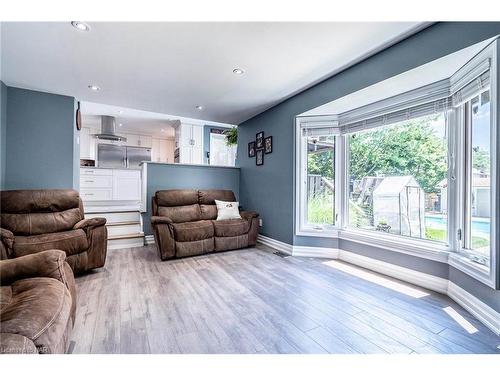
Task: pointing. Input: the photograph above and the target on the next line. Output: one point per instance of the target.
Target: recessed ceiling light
(94, 87)
(120, 124)
(82, 26)
(199, 107)
(162, 130)
(238, 71)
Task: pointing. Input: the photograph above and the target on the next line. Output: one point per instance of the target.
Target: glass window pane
(398, 178)
(480, 177)
(320, 180)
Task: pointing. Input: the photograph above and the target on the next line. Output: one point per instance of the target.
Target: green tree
(321, 163)
(412, 148)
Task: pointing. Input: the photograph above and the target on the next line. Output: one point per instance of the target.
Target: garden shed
(399, 207)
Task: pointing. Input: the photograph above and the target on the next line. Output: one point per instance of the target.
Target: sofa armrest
(248, 215)
(90, 223)
(160, 220)
(7, 237)
(48, 263)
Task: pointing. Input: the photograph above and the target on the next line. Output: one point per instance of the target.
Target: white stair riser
(117, 217)
(118, 230)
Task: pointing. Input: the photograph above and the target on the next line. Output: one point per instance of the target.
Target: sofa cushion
(208, 211)
(230, 228)
(27, 224)
(39, 310)
(71, 242)
(49, 200)
(209, 196)
(180, 197)
(193, 231)
(180, 214)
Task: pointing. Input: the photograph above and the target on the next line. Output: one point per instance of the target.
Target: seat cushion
(71, 242)
(193, 230)
(39, 309)
(231, 228)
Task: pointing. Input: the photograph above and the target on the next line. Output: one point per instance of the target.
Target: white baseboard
(484, 313)
(275, 244)
(315, 252)
(437, 284)
(489, 317)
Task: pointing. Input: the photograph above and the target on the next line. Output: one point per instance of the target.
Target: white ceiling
(420, 76)
(173, 67)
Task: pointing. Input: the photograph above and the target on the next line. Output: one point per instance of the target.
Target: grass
(440, 235)
(320, 209)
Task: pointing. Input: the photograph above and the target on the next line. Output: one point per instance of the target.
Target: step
(117, 223)
(123, 236)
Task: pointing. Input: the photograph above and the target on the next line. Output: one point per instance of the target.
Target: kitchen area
(114, 144)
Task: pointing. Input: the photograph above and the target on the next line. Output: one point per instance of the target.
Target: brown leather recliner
(37, 304)
(184, 223)
(37, 220)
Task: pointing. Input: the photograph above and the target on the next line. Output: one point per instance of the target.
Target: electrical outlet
(260, 222)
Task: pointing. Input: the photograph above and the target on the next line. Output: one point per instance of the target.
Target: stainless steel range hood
(108, 127)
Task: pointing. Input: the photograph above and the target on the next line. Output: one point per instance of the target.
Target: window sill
(310, 232)
(472, 269)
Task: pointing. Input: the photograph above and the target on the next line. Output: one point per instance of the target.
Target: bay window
(414, 172)
(398, 178)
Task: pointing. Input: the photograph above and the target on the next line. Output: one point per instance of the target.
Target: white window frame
(451, 253)
(302, 228)
(459, 258)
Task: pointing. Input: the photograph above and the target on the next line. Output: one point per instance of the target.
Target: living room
(340, 200)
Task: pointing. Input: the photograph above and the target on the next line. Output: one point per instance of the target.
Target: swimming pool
(478, 225)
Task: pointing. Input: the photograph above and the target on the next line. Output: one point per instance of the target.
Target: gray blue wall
(179, 176)
(269, 189)
(3, 132)
(41, 141)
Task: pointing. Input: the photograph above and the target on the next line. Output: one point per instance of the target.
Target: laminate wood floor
(253, 301)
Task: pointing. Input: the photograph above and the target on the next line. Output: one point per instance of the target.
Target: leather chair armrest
(48, 263)
(7, 237)
(160, 220)
(248, 215)
(90, 223)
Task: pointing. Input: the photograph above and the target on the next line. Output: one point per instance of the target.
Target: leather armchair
(38, 303)
(36, 220)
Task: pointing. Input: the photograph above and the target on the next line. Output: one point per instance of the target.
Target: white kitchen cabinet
(132, 139)
(162, 150)
(85, 143)
(88, 143)
(145, 141)
(189, 140)
(126, 185)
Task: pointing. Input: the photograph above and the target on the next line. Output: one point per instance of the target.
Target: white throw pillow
(227, 210)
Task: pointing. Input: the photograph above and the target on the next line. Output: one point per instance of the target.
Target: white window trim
(451, 253)
(301, 227)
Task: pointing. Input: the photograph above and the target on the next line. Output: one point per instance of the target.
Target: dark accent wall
(42, 147)
(184, 176)
(3, 132)
(269, 189)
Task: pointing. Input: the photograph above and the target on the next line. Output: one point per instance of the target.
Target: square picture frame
(268, 144)
(259, 140)
(251, 149)
(259, 157)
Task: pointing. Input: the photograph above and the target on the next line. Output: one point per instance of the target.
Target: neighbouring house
(481, 197)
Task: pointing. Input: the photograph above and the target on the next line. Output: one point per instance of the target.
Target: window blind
(320, 131)
(434, 107)
(471, 89)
